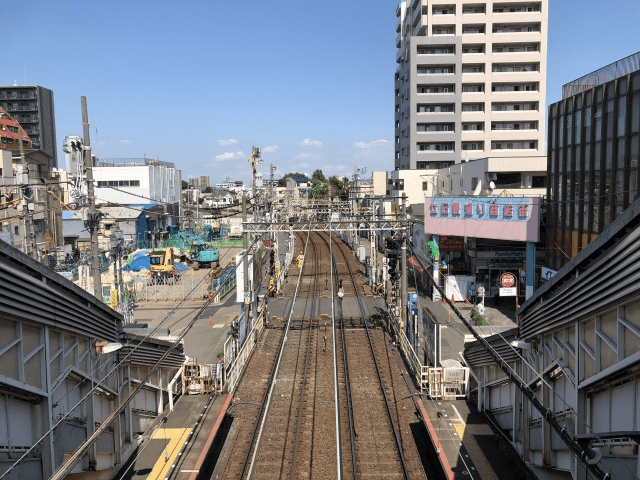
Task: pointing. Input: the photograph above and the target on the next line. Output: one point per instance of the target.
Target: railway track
(380, 449)
(294, 425)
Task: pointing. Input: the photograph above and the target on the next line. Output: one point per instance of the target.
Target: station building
(592, 156)
(52, 353)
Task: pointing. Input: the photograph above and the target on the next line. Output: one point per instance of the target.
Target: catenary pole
(93, 218)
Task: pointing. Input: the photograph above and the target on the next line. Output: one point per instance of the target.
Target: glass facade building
(592, 157)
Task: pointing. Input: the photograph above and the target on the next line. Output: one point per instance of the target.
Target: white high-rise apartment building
(470, 81)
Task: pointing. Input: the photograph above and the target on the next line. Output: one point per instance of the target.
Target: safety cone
(466, 301)
(453, 299)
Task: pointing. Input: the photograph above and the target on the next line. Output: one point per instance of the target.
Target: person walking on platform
(472, 293)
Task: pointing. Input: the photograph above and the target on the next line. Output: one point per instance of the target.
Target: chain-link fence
(191, 285)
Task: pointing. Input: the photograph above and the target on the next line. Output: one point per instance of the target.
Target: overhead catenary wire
(545, 411)
(71, 461)
(523, 386)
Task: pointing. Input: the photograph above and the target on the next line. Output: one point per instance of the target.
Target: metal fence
(189, 286)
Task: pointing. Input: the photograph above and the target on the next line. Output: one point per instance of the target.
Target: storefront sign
(547, 274)
(508, 292)
(451, 243)
(508, 280)
(507, 218)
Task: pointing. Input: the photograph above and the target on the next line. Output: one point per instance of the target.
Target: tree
(319, 187)
(207, 190)
(339, 187)
(185, 184)
(318, 176)
(283, 181)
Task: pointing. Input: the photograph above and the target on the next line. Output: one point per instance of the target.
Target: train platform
(468, 445)
(177, 449)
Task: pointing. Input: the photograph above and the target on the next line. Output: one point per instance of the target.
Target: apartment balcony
(516, 57)
(23, 120)
(398, 41)
(473, 117)
(516, 37)
(473, 135)
(449, 136)
(516, 135)
(400, 54)
(515, 97)
(21, 108)
(420, 28)
(17, 96)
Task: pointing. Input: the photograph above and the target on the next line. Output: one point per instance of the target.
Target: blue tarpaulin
(141, 260)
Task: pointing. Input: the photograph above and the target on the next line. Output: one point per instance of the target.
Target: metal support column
(403, 284)
(92, 216)
(245, 267)
(531, 269)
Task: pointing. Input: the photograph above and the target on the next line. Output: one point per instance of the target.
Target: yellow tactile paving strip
(466, 433)
(175, 439)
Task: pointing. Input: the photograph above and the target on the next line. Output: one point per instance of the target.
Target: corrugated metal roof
(30, 291)
(120, 212)
(599, 276)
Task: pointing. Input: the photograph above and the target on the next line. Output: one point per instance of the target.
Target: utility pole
(245, 265)
(30, 247)
(93, 217)
(403, 283)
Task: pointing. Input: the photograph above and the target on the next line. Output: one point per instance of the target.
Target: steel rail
(347, 383)
(375, 359)
(266, 401)
(306, 363)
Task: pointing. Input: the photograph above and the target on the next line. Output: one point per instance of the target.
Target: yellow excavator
(162, 265)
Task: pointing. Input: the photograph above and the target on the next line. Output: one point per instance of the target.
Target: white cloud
(229, 156)
(303, 165)
(307, 142)
(270, 148)
(334, 169)
(302, 156)
(373, 144)
(125, 141)
(231, 141)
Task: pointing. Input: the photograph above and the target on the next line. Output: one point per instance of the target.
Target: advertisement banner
(432, 340)
(506, 218)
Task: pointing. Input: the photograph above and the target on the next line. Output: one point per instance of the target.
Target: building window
(472, 146)
(435, 108)
(435, 147)
(425, 186)
(474, 183)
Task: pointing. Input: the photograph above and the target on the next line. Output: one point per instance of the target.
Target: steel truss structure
(343, 225)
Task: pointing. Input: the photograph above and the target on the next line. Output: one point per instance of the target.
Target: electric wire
(114, 369)
(540, 377)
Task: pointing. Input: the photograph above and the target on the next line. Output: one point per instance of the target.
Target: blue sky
(199, 83)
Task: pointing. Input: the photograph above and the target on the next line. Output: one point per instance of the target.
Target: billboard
(432, 339)
(506, 218)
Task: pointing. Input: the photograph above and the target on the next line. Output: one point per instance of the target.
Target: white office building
(136, 181)
(470, 81)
